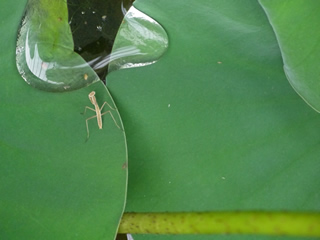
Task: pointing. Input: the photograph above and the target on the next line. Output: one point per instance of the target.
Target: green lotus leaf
(295, 25)
(54, 182)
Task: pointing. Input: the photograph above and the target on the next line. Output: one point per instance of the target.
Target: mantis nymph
(98, 110)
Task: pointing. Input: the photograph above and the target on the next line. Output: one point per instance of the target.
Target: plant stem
(261, 223)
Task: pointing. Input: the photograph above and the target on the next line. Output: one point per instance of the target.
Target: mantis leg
(88, 126)
(108, 106)
(85, 109)
(112, 117)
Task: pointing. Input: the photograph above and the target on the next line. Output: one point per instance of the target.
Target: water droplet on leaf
(45, 51)
(140, 41)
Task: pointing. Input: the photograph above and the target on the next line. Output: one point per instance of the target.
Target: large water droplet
(140, 41)
(45, 51)
(53, 57)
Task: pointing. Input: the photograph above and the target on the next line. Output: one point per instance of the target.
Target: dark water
(94, 25)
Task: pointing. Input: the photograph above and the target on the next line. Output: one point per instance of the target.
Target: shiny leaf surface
(214, 125)
(296, 24)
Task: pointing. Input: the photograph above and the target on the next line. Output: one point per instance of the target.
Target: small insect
(97, 110)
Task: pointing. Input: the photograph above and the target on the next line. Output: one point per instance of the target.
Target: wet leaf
(45, 50)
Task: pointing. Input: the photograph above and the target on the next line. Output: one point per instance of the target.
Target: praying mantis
(97, 110)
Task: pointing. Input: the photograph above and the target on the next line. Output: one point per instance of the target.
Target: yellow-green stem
(262, 223)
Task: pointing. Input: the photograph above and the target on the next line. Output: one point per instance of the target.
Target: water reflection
(140, 41)
(44, 53)
(94, 25)
(51, 59)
